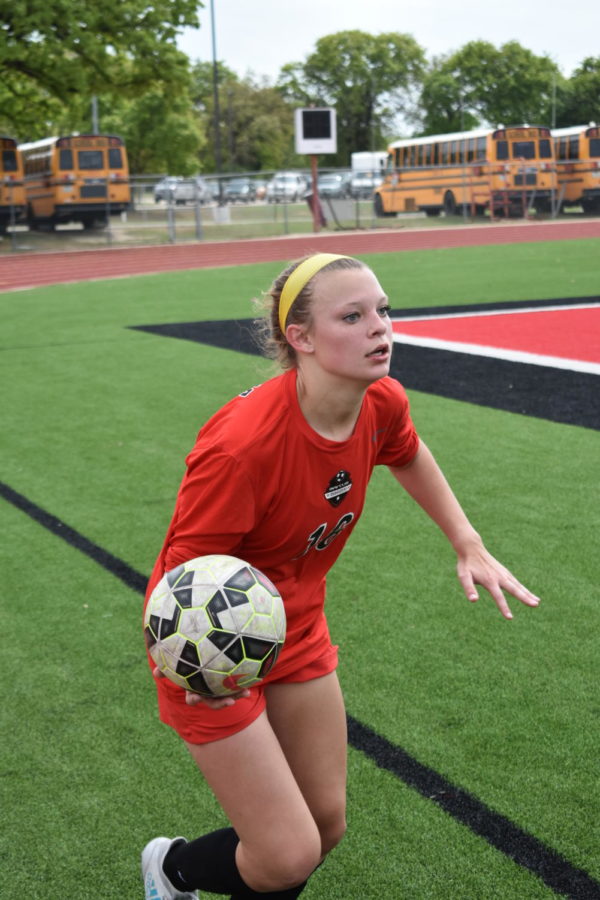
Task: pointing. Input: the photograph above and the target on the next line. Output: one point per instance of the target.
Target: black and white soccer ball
(215, 625)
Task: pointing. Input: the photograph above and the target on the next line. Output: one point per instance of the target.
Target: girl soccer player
(278, 478)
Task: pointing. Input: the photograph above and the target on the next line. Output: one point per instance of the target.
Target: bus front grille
(529, 179)
(93, 191)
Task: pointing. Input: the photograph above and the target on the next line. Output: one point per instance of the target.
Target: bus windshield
(90, 159)
(523, 150)
(9, 160)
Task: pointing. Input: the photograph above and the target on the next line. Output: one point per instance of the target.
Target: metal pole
(462, 154)
(315, 193)
(13, 220)
(218, 159)
(95, 129)
(286, 228)
(197, 212)
(107, 212)
(171, 215)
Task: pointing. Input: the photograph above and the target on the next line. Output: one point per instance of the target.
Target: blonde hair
(268, 331)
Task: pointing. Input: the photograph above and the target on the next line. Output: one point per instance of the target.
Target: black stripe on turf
(501, 833)
(559, 395)
(111, 563)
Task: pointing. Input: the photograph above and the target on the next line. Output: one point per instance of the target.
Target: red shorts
(199, 724)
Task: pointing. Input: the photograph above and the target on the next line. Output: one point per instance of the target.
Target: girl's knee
(288, 867)
(331, 822)
(332, 834)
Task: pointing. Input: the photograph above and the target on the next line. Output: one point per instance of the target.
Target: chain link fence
(166, 209)
(174, 210)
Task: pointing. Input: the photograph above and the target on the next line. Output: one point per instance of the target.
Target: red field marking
(550, 334)
(18, 271)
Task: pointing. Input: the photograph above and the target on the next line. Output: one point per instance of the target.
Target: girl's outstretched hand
(193, 699)
(476, 566)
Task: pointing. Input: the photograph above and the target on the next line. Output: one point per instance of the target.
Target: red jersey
(262, 485)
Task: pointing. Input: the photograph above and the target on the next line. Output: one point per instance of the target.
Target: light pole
(218, 161)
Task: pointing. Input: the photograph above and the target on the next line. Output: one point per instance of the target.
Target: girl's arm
(425, 482)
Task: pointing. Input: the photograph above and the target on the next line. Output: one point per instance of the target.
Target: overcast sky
(262, 35)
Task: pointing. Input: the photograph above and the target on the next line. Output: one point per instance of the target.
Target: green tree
(579, 101)
(53, 52)
(443, 103)
(162, 133)
(369, 79)
(256, 125)
(484, 85)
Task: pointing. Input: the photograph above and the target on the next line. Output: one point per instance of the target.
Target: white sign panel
(316, 130)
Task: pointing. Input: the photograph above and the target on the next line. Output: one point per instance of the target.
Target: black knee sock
(208, 863)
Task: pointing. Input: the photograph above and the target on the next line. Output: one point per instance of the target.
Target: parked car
(241, 189)
(165, 188)
(260, 186)
(176, 189)
(334, 184)
(286, 186)
(362, 184)
(212, 186)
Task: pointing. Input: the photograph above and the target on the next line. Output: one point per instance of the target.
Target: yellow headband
(299, 278)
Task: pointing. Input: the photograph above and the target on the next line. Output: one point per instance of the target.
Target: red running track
(23, 271)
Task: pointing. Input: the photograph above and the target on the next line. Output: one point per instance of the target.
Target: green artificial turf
(97, 420)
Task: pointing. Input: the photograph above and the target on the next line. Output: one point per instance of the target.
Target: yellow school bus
(507, 170)
(577, 152)
(75, 178)
(12, 192)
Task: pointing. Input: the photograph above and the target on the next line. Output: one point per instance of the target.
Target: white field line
(496, 312)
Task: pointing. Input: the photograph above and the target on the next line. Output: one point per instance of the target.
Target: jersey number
(319, 542)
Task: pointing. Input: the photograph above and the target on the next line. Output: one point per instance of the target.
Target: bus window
(436, 154)
(545, 149)
(574, 148)
(470, 149)
(428, 154)
(480, 154)
(115, 158)
(9, 160)
(444, 154)
(65, 159)
(501, 150)
(90, 159)
(523, 150)
(595, 147)
(562, 148)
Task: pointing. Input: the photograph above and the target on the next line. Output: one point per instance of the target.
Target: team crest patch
(338, 487)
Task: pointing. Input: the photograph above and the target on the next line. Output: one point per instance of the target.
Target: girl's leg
(279, 842)
(309, 720)
(281, 782)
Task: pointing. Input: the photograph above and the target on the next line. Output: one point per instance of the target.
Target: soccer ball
(214, 625)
